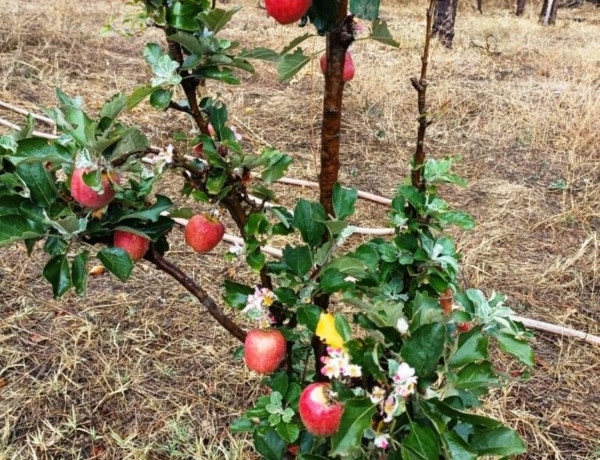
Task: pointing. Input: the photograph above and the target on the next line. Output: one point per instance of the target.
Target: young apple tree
(370, 351)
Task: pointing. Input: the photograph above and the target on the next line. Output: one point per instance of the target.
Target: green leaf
(190, 43)
(181, 15)
(365, 9)
(323, 15)
(309, 316)
(236, 295)
(256, 260)
(264, 54)
(116, 261)
(422, 443)
(472, 346)
(160, 99)
(16, 227)
(344, 200)
(216, 19)
(165, 72)
(39, 183)
(241, 425)
(132, 140)
(152, 213)
(456, 448)
(58, 274)
(520, 349)
(79, 273)
(460, 219)
(298, 258)
(424, 349)
(476, 375)
(289, 432)
(36, 150)
(291, 64)
(309, 219)
(277, 164)
(114, 106)
(225, 75)
(381, 33)
(356, 418)
(499, 441)
(152, 53)
(138, 95)
(342, 326)
(466, 417)
(270, 446)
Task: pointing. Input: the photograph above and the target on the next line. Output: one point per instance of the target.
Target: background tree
(445, 17)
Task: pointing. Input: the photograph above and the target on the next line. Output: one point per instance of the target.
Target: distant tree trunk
(480, 6)
(548, 14)
(443, 26)
(521, 7)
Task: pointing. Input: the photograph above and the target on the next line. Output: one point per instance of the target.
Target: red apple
(85, 196)
(134, 244)
(264, 350)
(204, 232)
(321, 416)
(348, 66)
(287, 11)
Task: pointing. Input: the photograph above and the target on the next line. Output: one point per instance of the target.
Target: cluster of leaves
(379, 283)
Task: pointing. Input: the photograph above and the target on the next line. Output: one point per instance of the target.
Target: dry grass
(140, 371)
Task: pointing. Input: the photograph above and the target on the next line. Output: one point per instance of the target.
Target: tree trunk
(480, 6)
(521, 7)
(445, 17)
(548, 14)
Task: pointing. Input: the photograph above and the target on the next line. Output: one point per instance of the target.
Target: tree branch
(421, 86)
(213, 309)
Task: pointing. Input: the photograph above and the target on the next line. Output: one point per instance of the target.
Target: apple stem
(193, 288)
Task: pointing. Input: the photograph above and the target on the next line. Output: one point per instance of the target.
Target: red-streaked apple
(264, 350)
(464, 327)
(319, 413)
(348, 66)
(135, 245)
(287, 11)
(86, 196)
(204, 232)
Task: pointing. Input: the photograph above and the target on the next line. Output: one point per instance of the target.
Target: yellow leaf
(327, 332)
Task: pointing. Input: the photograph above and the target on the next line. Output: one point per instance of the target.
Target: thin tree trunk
(445, 17)
(480, 6)
(521, 7)
(548, 14)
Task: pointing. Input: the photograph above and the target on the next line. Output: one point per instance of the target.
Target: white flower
(377, 395)
(353, 370)
(382, 441)
(389, 408)
(402, 325)
(350, 279)
(257, 304)
(404, 380)
(236, 249)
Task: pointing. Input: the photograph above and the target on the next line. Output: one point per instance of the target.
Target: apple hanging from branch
(287, 11)
(135, 245)
(319, 413)
(203, 232)
(86, 196)
(264, 350)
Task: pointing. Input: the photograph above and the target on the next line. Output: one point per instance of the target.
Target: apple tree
(370, 351)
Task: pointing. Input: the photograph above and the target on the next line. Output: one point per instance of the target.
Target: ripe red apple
(204, 232)
(85, 196)
(287, 11)
(321, 416)
(264, 350)
(134, 244)
(348, 66)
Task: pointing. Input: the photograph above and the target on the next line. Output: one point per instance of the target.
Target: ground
(139, 370)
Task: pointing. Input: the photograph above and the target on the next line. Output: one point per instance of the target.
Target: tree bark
(338, 41)
(445, 17)
(521, 7)
(548, 14)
